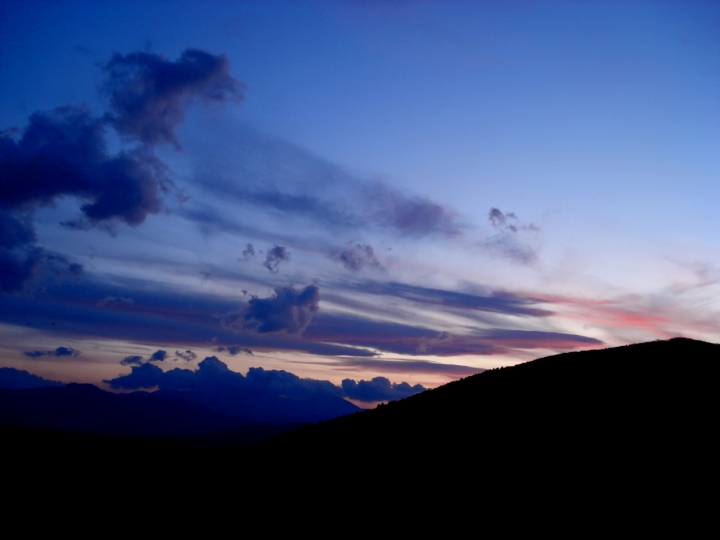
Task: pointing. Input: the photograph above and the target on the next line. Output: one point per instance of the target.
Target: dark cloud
(213, 376)
(233, 350)
(249, 251)
(287, 310)
(188, 355)
(18, 379)
(158, 356)
(148, 93)
(289, 384)
(494, 302)
(379, 389)
(265, 396)
(509, 222)
(274, 257)
(357, 257)
(506, 243)
(131, 360)
(60, 351)
(151, 376)
(63, 153)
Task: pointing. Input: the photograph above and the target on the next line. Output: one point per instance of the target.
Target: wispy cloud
(511, 241)
(493, 301)
(59, 352)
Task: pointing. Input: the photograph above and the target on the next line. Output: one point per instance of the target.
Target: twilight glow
(376, 194)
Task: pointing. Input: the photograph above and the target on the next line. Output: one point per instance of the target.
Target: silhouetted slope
(18, 379)
(603, 433)
(263, 406)
(84, 407)
(608, 406)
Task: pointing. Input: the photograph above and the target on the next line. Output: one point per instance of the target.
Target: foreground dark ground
(617, 427)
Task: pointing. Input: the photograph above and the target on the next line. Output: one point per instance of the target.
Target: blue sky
(429, 188)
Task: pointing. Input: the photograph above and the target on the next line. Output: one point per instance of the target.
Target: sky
(396, 193)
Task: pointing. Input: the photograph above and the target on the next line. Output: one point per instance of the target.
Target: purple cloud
(60, 351)
(131, 361)
(274, 257)
(148, 93)
(64, 153)
(357, 257)
(288, 310)
(379, 389)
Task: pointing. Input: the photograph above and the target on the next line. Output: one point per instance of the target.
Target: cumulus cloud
(63, 153)
(188, 355)
(148, 93)
(233, 350)
(213, 376)
(357, 257)
(274, 257)
(60, 351)
(158, 356)
(288, 310)
(131, 361)
(379, 389)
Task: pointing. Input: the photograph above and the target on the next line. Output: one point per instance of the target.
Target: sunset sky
(354, 189)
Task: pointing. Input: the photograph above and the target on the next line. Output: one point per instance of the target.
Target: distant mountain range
(212, 400)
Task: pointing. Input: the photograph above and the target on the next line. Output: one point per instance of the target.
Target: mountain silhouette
(581, 431)
(637, 409)
(86, 408)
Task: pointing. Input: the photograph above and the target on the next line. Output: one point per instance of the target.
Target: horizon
(398, 194)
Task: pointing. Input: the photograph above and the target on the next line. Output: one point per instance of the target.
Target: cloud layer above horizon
(175, 214)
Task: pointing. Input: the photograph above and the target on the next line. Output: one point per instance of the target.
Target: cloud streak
(417, 340)
(59, 352)
(495, 302)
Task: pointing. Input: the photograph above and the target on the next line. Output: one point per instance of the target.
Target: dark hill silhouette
(18, 379)
(609, 432)
(86, 408)
(601, 411)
